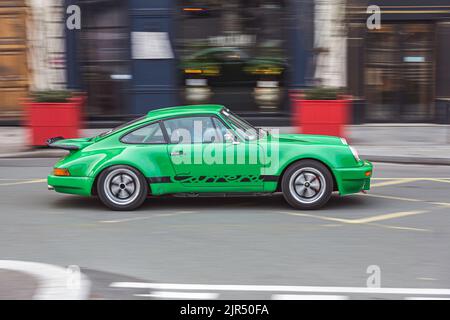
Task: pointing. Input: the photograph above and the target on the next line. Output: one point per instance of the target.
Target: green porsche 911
(205, 149)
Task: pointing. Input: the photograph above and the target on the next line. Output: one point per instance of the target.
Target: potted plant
(321, 110)
(52, 113)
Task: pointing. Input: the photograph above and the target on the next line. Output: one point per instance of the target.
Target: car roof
(184, 110)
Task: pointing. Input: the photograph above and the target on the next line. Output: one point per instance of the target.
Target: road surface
(397, 236)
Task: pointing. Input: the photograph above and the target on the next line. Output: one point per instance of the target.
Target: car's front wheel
(122, 188)
(307, 184)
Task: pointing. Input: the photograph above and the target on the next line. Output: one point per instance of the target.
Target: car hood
(309, 139)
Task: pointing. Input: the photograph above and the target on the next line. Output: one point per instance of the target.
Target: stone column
(330, 43)
(45, 35)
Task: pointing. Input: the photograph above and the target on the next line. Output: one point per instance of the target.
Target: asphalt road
(245, 247)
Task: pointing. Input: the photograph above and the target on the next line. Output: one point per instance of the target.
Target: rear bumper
(73, 185)
(353, 180)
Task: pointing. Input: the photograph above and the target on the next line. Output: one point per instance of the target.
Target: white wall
(330, 38)
(45, 28)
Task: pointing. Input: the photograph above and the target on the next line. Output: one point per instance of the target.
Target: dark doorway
(104, 52)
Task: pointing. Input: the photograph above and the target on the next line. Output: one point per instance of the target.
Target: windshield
(126, 124)
(242, 127)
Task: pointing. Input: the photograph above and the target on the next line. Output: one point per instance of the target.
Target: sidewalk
(402, 143)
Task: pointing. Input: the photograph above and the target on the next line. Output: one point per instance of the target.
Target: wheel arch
(94, 191)
(280, 178)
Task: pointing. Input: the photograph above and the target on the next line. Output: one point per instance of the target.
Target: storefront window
(232, 53)
(399, 72)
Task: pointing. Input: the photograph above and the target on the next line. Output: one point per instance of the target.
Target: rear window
(150, 134)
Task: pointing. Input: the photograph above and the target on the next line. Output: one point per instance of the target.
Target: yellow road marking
(23, 182)
(143, 218)
(394, 182)
(400, 228)
(442, 204)
(407, 178)
(315, 216)
(16, 179)
(382, 217)
(440, 180)
(388, 216)
(389, 197)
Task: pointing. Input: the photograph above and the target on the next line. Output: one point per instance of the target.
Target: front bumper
(73, 185)
(353, 180)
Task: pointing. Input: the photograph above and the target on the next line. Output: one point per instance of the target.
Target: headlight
(355, 153)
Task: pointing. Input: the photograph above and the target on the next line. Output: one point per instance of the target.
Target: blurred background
(133, 56)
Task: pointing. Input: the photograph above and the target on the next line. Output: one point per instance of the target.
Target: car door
(243, 159)
(208, 157)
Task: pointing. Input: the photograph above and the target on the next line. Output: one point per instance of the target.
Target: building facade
(32, 51)
(14, 72)
(133, 56)
(400, 72)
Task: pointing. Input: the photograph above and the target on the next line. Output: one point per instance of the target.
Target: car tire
(307, 185)
(122, 188)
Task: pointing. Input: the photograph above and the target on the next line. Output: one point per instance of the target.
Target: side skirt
(219, 195)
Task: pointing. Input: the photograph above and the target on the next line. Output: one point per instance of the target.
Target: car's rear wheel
(122, 188)
(307, 185)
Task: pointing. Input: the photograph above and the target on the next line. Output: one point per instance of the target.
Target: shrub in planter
(321, 110)
(60, 96)
(52, 113)
(323, 93)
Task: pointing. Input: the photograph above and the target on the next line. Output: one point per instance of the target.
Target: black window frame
(211, 116)
(226, 125)
(145, 143)
(223, 113)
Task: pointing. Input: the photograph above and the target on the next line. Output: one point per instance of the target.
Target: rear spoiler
(51, 144)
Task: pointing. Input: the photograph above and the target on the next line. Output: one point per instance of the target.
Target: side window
(222, 130)
(151, 134)
(191, 130)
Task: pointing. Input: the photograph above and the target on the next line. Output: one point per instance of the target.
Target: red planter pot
(325, 117)
(47, 120)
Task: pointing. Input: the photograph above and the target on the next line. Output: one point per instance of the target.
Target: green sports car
(205, 149)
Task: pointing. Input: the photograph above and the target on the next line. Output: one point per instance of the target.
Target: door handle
(176, 153)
